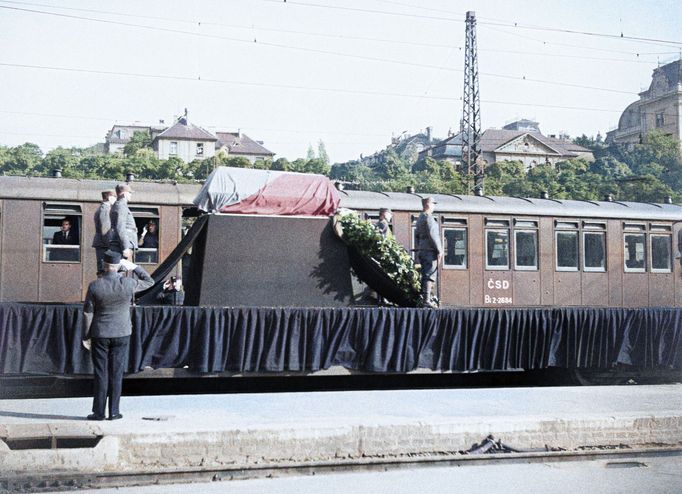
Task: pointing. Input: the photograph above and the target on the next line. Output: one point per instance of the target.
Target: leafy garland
(395, 261)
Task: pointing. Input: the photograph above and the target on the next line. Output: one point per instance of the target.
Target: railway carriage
(498, 251)
(524, 283)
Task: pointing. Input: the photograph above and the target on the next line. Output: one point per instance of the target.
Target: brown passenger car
(498, 251)
(33, 269)
(519, 252)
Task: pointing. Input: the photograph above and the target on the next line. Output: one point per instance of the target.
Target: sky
(352, 73)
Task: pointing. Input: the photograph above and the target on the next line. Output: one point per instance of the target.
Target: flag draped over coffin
(245, 191)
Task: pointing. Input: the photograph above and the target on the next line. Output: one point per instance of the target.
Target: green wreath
(394, 260)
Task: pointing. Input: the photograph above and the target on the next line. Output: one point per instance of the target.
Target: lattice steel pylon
(471, 111)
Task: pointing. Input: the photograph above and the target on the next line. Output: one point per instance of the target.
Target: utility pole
(471, 112)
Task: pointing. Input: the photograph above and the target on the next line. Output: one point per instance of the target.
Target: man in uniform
(429, 249)
(383, 226)
(103, 228)
(108, 327)
(124, 230)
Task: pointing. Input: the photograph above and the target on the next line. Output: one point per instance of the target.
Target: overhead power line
(248, 83)
(294, 87)
(116, 120)
(496, 23)
(325, 52)
(254, 28)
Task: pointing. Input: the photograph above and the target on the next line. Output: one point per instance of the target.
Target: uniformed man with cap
(124, 230)
(108, 327)
(383, 226)
(429, 249)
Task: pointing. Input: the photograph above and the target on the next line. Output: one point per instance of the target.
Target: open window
(61, 232)
(149, 234)
(634, 247)
(594, 246)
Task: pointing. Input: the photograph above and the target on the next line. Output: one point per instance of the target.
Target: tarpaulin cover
(246, 191)
(43, 338)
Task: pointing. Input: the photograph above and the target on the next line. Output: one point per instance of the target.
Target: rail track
(622, 456)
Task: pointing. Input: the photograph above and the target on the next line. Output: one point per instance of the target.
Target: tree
(139, 140)
(310, 154)
(281, 164)
(66, 160)
(322, 152)
(22, 159)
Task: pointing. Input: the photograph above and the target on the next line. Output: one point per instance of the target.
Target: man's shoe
(94, 416)
(116, 417)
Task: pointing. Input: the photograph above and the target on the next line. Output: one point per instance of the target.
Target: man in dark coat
(66, 235)
(103, 228)
(429, 249)
(124, 230)
(108, 327)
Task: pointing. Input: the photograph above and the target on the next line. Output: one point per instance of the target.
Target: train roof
(166, 193)
(462, 204)
(67, 189)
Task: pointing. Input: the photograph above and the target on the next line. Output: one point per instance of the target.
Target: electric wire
(327, 52)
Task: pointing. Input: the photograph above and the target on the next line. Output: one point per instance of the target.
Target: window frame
(646, 261)
(52, 210)
(147, 213)
(592, 269)
(499, 225)
(567, 269)
(670, 252)
(455, 224)
(173, 148)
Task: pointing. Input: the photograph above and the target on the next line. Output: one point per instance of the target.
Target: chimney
(668, 200)
(57, 173)
(130, 176)
(338, 185)
(478, 191)
(608, 197)
(409, 189)
(428, 134)
(544, 194)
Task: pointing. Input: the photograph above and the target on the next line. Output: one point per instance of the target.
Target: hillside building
(659, 107)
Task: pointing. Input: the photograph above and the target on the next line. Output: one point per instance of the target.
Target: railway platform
(50, 439)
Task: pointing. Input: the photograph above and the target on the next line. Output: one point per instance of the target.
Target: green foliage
(139, 140)
(391, 256)
(322, 152)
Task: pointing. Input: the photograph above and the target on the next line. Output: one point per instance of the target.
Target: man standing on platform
(124, 230)
(429, 250)
(108, 327)
(383, 226)
(103, 228)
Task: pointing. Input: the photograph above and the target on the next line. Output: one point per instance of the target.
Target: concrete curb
(256, 448)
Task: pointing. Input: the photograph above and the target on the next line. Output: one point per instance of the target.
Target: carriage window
(661, 248)
(567, 251)
(497, 249)
(455, 247)
(61, 233)
(635, 252)
(594, 251)
(147, 223)
(526, 249)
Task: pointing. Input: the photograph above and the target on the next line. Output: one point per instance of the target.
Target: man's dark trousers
(109, 359)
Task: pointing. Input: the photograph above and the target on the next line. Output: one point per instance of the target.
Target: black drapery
(41, 338)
